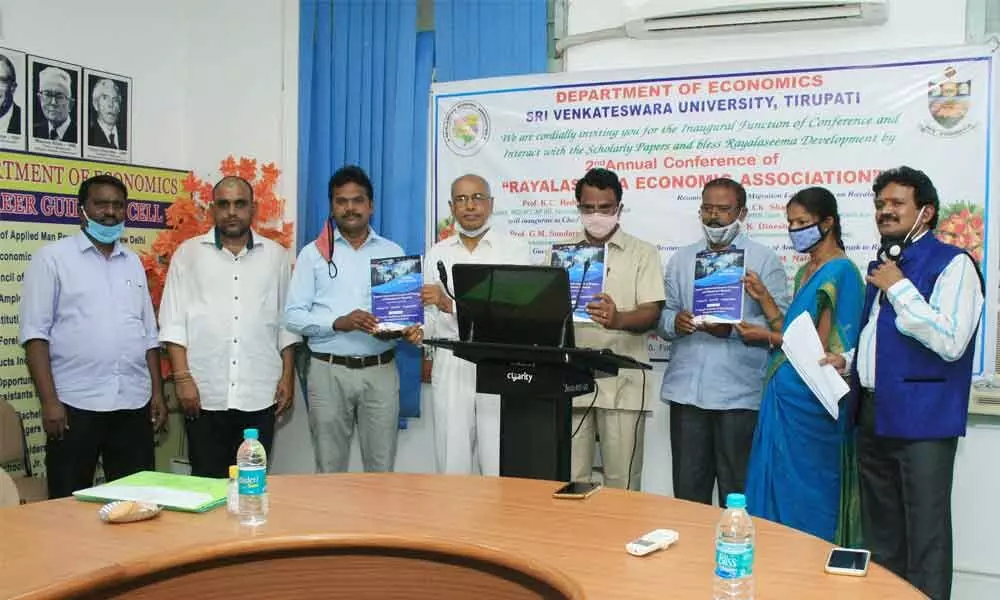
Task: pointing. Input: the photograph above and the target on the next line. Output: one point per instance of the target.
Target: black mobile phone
(576, 490)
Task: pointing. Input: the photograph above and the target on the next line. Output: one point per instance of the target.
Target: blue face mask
(804, 238)
(105, 234)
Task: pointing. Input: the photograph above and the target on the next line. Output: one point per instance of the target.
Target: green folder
(171, 491)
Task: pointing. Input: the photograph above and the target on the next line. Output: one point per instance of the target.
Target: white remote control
(651, 542)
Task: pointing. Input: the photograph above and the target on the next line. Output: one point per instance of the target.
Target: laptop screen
(513, 304)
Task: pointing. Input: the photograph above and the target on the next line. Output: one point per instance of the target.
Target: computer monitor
(513, 304)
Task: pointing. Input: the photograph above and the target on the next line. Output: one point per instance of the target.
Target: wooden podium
(536, 385)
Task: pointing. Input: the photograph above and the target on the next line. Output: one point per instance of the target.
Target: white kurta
(466, 424)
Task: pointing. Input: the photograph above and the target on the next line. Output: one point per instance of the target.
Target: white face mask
(473, 233)
(722, 236)
(599, 225)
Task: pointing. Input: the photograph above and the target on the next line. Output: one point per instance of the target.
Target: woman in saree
(802, 470)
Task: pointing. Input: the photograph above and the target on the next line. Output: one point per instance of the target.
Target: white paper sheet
(156, 495)
(804, 350)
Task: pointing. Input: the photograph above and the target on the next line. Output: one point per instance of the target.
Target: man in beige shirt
(622, 316)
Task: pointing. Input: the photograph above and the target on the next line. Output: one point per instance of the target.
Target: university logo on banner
(466, 128)
(948, 101)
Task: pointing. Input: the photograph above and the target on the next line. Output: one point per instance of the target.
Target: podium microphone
(576, 305)
(443, 275)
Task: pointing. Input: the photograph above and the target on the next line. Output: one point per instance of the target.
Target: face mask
(472, 233)
(722, 236)
(599, 225)
(805, 238)
(105, 234)
(892, 247)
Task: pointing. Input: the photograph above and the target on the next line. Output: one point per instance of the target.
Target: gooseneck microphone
(576, 301)
(443, 275)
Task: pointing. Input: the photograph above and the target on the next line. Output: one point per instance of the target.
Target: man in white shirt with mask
(466, 424)
(713, 382)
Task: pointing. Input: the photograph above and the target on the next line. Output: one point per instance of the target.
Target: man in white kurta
(466, 424)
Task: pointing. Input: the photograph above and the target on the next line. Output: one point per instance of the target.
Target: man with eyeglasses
(466, 424)
(713, 381)
(55, 100)
(10, 112)
(221, 322)
(353, 377)
(621, 316)
(104, 130)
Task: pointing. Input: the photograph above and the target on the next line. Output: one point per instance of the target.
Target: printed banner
(775, 126)
(39, 205)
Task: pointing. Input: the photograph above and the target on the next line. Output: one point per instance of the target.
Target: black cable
(635, 434)
(586, 412)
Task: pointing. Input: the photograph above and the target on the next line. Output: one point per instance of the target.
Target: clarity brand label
(733, 561)
(253, 480)
(517, 377)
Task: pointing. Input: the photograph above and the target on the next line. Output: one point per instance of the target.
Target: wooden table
(58, 549)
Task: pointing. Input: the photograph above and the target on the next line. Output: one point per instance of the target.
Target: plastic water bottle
(251, 461)
(734, 539)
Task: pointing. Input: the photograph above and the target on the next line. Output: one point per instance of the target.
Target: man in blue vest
(913, 372)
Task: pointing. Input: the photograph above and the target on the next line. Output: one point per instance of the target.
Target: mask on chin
(599, 225)
(105, 234)
(722, 236)
(892, 246)
(473, 233)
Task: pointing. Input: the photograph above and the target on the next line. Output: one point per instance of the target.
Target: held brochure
(396, 284)
(169, 490)
(586, 268)
(718, 285)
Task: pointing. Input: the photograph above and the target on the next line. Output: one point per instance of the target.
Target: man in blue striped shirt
(713, 381)
(352, 375)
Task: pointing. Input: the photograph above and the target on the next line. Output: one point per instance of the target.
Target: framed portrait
(54, 117)
(13, 92)
(107, 116)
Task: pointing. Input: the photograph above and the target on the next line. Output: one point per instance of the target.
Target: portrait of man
(55, 107)
(10, 111)
(107, 105)
(55, 98)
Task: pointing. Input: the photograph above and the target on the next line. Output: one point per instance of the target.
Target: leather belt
(355, 362)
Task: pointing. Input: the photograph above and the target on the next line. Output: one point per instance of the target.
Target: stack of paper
(803, 348)
(169, 490)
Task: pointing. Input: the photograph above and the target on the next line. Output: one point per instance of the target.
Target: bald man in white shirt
(466, 424)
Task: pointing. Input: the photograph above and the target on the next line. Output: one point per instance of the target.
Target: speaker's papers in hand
(803, 348)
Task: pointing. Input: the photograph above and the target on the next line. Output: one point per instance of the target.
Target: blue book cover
(585, 265)
(718, 285)
(396, 284)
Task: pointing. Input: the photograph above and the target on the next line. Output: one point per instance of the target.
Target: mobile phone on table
(576, 490)
(848, 561)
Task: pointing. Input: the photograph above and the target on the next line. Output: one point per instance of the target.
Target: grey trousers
(340, 397)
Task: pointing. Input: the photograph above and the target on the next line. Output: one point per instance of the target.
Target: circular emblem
(466, 128)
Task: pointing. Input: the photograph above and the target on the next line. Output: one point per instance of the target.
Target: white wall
(911, 23)
(209, 78)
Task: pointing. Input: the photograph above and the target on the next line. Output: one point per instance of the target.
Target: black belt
(355, 362)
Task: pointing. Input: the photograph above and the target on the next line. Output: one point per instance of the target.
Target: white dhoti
(466, 424)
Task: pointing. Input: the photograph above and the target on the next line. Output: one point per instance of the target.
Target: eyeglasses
(53, 97)
(603, 210)
(713, 209)
(473, 199)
